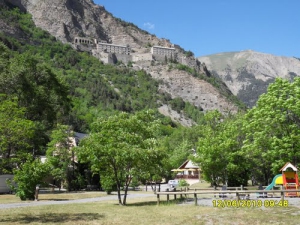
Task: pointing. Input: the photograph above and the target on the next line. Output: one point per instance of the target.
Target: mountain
(248, 73)
(180, 75)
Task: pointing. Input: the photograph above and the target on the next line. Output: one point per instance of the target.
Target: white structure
(111, 48)
(158, 50)
(188, 171)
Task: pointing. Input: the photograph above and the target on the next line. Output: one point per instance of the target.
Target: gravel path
(201, 201)
(85, 200)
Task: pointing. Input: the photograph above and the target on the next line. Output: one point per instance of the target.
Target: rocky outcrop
(175, 116)
(248, 73)
(65, 19)
(200, 93)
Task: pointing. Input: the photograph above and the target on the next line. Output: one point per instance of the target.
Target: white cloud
(149, 25)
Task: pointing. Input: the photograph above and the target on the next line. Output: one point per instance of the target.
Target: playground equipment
(288, 179)
(277, 180)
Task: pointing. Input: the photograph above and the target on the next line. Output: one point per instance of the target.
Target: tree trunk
(128, 180)
(119, 192)
(125, 194)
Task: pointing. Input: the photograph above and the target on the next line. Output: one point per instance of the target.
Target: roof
(79, 135)
(188, 164)
(288, 165)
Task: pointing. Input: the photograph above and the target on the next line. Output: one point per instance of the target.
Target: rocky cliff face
(248, 73)
(67, 19)
(198, 92)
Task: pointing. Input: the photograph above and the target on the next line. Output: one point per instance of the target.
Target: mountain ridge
(248, 73)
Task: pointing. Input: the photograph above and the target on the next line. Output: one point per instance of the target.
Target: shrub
(183, 183)
(28, 177)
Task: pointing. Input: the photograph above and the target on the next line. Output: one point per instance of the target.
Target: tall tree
(219, 150)
(122, 147)
(210, 154)
(16, 134)
(272, 127)
(36, 87)
(60, 154)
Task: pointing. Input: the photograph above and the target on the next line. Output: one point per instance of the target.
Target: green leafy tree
(36, 88)
(122, 147)
(219, 150)
(210, 154)
(237, 171)
(16, 134)
(30, 174)
(272, 127)
(60, 154)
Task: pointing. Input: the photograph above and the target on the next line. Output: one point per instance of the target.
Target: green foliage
(256, 144)
(218, 151)
(179, 144)
(36, 88)
(60, 154)
(122, 147)
(34, 72)
(183, 183)
(108, 183)
(185, 68)
(273, 129)
(30, 174)
(189, 53)
(177, 104)
(16, 134)
(189, 110)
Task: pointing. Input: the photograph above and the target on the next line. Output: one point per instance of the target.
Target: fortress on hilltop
(110, 53)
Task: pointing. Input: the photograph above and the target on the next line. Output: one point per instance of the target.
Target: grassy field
(140, 211)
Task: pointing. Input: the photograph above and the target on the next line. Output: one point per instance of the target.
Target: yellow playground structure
(288, 179)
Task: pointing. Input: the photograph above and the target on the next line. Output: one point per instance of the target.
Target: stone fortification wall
(142, 57)
(123, 58)
(106, 58)
(111, 58)
(162, 58)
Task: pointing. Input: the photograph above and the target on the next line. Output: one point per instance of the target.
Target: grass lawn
(143, 211)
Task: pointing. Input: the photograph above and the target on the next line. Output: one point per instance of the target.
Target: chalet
(188, 171)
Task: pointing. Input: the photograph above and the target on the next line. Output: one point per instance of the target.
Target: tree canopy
(123, 147)
(272, 129)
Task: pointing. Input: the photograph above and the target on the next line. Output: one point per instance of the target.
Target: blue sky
(213, 26)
